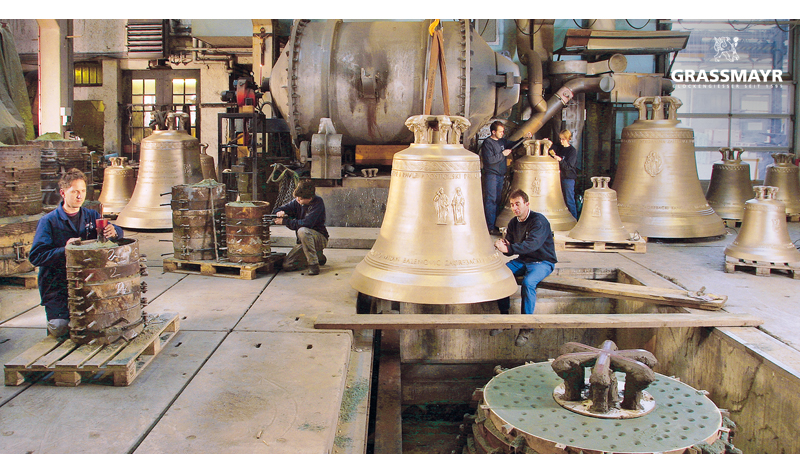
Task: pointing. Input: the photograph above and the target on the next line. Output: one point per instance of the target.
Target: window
(143, 103)
(184, 98)
(756, 115)
(88, 74)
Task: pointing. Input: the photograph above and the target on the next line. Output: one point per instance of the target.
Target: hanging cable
(631, 26)
(584, 28)
(779, 26)
(740, 30)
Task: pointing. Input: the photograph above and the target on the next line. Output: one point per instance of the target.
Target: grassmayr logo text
(727, 75)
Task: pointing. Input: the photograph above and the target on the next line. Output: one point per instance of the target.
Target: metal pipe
(561, 98)
(531, 58)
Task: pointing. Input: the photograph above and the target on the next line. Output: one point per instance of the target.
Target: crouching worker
(69, 223)
(306, 215)
(529, 236)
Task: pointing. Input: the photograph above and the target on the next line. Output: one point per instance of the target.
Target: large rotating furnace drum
(369, 77)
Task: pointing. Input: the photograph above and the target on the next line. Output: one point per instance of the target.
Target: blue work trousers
(568, 189)
(494, 190)
(534, 273)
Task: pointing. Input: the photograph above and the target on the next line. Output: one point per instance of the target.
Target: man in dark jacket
(494, 151)
(69, 223)
(529, 236)
(306, 215)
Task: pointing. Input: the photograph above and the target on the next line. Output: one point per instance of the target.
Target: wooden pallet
(223, 269)
(761, 268)
(69, 363)
(793, 218)
(27, 280)
(565, 243)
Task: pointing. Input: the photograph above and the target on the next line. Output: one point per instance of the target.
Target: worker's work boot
(313, 270)
(58, 327)
(322, 259)
(522, 337)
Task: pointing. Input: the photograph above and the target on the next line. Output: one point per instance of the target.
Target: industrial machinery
(658, 190)
(434, 246)
(622, 406)
(168, 158)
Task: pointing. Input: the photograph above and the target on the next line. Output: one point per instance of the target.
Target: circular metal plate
(523, 398)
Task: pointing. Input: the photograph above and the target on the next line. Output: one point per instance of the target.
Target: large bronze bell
(537, 174)
(600, 219)
(119, 182)
(785, 176)
(168, 158)
(658, 190)
(764, 235)
(730, 186)
(434, 247)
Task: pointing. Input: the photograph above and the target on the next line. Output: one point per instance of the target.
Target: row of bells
(443, 254)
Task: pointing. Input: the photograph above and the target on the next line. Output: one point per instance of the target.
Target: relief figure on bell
(458, 208)
(442, 204)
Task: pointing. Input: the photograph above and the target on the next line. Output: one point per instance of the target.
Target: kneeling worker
(529, 236)
(306, 215)
(69, 223)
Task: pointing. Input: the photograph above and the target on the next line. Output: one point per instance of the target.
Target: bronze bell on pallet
(730, 186)
(537, 174)
(168, 158)
(764, 235)
(786, 177)
(658, 190)
(600, 219)
(119, 182)
(434, 247)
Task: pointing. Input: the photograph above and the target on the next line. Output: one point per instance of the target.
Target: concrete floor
(248, 373)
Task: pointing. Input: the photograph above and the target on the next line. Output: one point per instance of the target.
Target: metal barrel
(247, 231)
(196, 219)
(105, 290)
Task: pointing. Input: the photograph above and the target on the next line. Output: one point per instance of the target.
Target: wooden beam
(647, 294)
(495, 321)
(388, 416)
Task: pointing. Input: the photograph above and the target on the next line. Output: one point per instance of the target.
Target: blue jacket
(492, 153)
(47, 252)
(532, 239)
(311, 216)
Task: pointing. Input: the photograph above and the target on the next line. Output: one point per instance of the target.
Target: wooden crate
(26, 280)
(761, 268)
(565, 243)
(223, 269)
(122, 360)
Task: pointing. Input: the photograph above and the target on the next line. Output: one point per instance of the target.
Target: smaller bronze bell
(786, 177)
(119, 182)
(600, 217)
(730, 186)
(537, 174)
(764, 235)
(207, 164)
